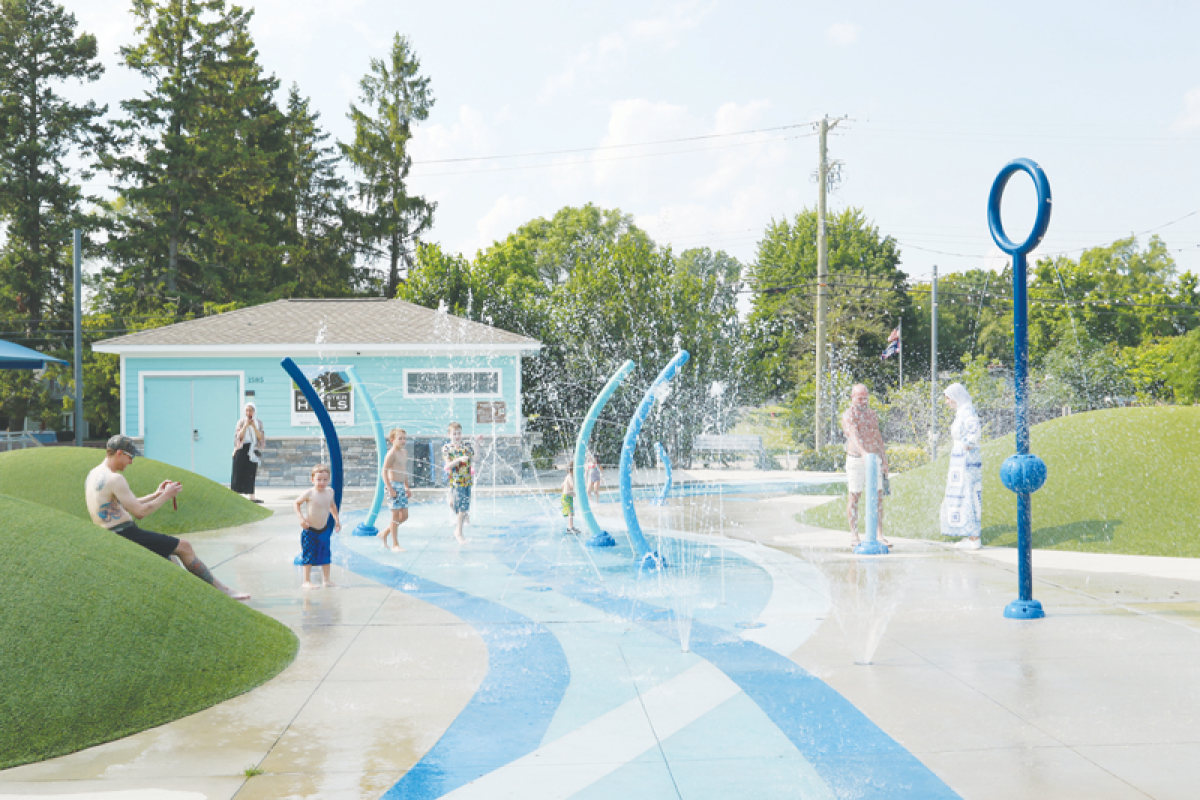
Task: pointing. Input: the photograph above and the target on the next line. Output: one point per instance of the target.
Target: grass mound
(1120, 481)
(102, 638)
(54, 477)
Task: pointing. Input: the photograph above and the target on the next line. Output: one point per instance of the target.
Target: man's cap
(120, 442)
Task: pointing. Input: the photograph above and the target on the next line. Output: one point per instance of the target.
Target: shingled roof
(369, 324)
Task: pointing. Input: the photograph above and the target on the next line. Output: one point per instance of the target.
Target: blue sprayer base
(652, 561)
(1024, 609)
(875, 548)
(366, 530)
(602, 539)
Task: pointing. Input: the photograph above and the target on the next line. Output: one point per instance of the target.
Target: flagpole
(901, 340)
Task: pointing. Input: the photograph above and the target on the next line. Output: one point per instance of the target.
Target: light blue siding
(382, 376)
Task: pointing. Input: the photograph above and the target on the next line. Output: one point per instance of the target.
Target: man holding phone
(114, 507)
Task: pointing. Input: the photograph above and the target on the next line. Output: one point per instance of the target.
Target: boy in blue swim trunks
(395, 484)
(314, 541)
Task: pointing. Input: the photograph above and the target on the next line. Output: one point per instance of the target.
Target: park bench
(723, 447)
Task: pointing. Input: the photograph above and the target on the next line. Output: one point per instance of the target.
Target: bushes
(903, 457)
(830, 458)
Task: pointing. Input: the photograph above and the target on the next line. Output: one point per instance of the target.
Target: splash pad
(589, 651)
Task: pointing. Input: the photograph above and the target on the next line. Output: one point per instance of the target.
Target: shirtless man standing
(113, 506)
(861, 426)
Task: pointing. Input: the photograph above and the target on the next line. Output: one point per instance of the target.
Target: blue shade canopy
(14, 356)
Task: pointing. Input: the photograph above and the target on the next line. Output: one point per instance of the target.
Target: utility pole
(822, 279)
(933, 372)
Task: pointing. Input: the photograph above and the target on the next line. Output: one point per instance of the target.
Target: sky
(698, 118)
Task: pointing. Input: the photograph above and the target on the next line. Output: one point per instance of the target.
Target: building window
(451, 383)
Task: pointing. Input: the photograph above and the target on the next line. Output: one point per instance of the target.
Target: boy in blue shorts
(395, 484)
(314, 542)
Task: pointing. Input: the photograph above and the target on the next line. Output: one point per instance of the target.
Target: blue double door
(190, 422)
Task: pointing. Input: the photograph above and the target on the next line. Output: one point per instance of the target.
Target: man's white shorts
(856, 474)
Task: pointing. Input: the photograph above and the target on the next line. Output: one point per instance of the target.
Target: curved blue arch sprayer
(331, 438)
(1023, 473)
(367, 526)
(599, 538)
(636, 538)
(665, 460)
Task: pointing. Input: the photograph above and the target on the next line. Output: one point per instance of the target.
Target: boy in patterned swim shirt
(458, 455)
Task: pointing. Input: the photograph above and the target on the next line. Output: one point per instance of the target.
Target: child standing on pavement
(457, 455)
(314, 541)
(568, 498)
(591, 471)
(395, 483)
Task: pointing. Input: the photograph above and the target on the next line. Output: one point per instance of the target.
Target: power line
(616, 146)
(606, 160)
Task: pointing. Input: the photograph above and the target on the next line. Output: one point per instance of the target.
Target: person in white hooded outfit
(962, 506)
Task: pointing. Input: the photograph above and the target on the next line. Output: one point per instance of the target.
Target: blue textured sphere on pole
(1023, 473)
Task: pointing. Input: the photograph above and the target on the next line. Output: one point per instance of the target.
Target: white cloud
(1190, 118)
(732, 226)
(631, 122)
(468, 134)
(664, 30)
(505, 216)
(842, 34)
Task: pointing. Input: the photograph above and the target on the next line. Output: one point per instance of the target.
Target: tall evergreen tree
(201, 206)
(319, 257)
(40, 133)
(395, 97)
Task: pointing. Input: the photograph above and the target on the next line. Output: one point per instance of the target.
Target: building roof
(367, 324)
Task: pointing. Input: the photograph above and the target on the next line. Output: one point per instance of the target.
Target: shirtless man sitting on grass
(114, 507)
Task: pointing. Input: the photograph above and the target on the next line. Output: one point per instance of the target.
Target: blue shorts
(460, 499)
(400, 501)
(314, 548)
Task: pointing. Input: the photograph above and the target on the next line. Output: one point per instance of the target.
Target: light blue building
(183, 386)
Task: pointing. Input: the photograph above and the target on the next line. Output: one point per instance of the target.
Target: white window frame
(498, 394)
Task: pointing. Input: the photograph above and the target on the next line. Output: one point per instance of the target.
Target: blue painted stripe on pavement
(850, 752)
(508, 716)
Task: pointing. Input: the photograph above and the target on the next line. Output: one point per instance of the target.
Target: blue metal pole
(367, 527)
(331, 437)
(636, 538)
(1022, 473)
(599, 538)
(871, 546)
(666, 462)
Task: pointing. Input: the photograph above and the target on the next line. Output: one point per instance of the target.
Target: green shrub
(903, 457)
(830, 458)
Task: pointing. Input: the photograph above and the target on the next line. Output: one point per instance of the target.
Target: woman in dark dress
(248, 443)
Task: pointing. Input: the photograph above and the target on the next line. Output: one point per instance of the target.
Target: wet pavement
(523, 665)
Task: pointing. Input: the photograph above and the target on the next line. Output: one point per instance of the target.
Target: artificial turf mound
(1120, 481)
(100, 638)
(54, 476)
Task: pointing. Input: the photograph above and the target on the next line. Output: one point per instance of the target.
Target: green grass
(54, 477)
(100, 638)
(1120, 481)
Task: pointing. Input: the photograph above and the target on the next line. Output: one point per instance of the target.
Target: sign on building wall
(332, 385)
(491, 412)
